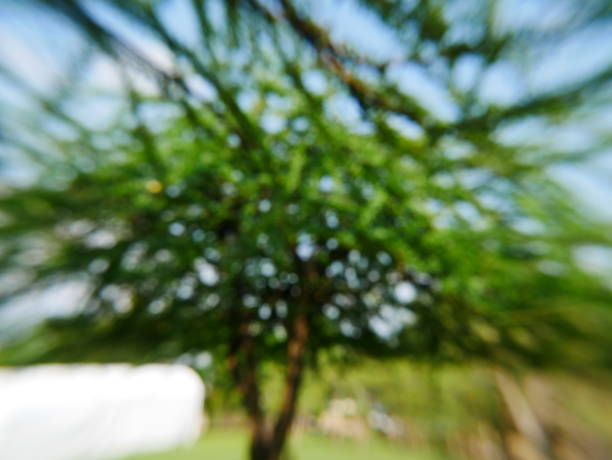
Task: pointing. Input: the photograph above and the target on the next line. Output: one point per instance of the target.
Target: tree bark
(268, 441)
(296, 351)
(242, 364)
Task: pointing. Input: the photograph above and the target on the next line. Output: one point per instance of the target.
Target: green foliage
(400, 231)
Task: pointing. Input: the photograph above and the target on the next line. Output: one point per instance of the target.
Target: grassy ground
(231, 445)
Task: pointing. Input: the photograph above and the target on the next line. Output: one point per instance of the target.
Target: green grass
(231, 445)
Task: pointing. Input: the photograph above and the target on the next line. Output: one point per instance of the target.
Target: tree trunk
(268, 440)
(242, 365)
(260, 445)
(296, 350)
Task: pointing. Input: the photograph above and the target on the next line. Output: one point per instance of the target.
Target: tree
(282, 194)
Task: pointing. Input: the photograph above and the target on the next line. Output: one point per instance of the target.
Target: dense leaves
(277, 172)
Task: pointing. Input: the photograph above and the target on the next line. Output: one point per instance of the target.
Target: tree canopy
(274, 189)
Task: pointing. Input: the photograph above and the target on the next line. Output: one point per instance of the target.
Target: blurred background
(372, 228)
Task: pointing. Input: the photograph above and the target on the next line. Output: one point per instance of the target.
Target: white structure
(87, 412)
